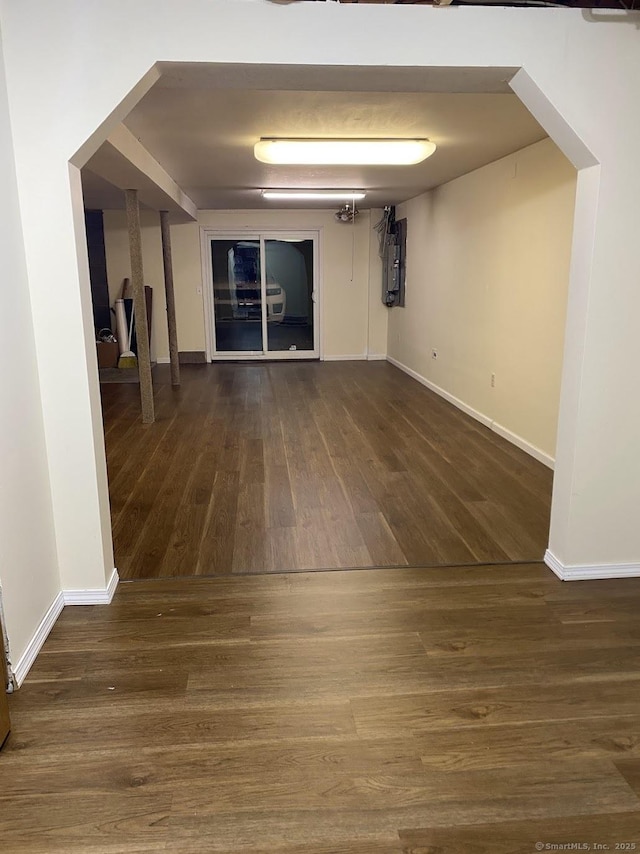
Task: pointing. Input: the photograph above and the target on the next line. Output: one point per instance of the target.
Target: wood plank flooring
(397, 711)
(269, 467)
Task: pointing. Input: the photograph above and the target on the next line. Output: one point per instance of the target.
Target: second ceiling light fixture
(324, 195)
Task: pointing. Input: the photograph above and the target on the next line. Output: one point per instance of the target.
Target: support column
(165, 230)
(140, 306)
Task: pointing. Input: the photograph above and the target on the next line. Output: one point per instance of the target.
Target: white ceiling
(201, 128)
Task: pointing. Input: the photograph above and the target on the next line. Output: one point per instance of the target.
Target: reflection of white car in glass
(243, 302)
(241, 298)
(276, 303)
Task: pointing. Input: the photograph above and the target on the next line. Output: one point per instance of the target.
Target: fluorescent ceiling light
(310, 195)
(365, 152)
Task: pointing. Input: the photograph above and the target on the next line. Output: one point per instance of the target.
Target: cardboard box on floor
(107, 354)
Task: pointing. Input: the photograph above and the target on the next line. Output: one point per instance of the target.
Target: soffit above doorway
(200, 122)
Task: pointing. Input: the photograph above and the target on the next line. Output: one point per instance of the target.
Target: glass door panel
(237, 295)
(289, 266)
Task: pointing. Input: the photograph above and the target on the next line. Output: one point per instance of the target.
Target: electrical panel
(393, 251)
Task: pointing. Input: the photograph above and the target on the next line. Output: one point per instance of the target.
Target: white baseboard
(460, 404)
(521, 443)
(93, 595)
(525, 446)
(591, 572)
(35, 644)
(163, 360)
(357, 357)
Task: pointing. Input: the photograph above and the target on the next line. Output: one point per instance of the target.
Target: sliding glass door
(237, 295)
(264, 295)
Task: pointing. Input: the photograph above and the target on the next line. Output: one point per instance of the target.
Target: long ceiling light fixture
(348, 152)
(311, 195)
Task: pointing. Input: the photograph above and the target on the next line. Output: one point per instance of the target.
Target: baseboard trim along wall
(40, 635)
(521, 443)
(360, 357)
(357, 357)
(94, 596)
(591, 572)
(516, 440)
(192, 357)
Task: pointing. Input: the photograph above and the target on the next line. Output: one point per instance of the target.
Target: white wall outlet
(434, 354)
(493, 380)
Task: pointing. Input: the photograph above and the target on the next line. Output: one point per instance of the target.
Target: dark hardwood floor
(474, 710)
(282, 466)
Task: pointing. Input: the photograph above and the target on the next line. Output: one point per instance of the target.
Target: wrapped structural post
(140, 307)
(165, 230)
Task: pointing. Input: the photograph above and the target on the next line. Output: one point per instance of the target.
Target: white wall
(350, 325)
(487, 278)
(28, 563)
(93, 65)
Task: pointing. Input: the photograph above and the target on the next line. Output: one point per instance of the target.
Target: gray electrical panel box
(394, 253)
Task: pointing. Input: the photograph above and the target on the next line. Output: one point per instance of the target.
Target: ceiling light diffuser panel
(347, 152)
(310, 195)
